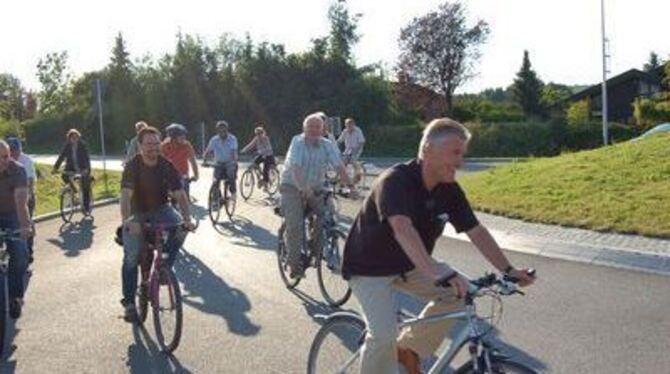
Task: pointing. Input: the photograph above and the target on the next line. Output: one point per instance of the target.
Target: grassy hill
(623, 188)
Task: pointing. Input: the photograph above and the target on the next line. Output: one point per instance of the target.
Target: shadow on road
(208, 293)
(144, 356)
(245, 233)
(74, 237)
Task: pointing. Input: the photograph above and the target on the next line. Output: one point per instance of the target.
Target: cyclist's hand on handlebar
(189, 225)
(460, 285)
(26, 232)
(526, 277)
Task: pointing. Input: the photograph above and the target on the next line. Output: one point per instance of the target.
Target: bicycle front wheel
(337, 346)
(247, 184)
(167, 308)
(228, 202)
(214, 204)
(498, 366)
(334, 288)
(67, 205)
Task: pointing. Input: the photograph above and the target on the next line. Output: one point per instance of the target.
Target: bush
(396, 141)
(579, 113)
(649, 112)
(511, 139)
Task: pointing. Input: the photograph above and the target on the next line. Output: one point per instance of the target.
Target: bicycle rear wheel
(273, 181)
(167, 308)
(247, 183)
(498, 366)
(67, 204)
(336, 346)
(282, 260)
(334, 288)
(214, 204)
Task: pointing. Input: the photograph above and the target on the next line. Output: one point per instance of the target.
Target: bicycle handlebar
(506, 284)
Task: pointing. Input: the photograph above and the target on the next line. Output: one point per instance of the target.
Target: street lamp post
(604, 86)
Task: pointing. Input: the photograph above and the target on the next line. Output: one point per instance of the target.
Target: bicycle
(71, 200)
(327, 259)
(216, 199)
(160, 282)
(253, 175)
(191, 200)
(348, 331)
(5, 235)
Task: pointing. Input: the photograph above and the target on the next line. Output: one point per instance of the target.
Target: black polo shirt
(371, 248)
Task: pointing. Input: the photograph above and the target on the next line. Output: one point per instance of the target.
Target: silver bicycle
(337, 345)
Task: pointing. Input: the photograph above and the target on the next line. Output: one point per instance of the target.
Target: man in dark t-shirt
(14, 216)
(148, 180)
(391, 241)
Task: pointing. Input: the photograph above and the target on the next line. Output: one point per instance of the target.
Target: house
(622, 90)
(427, 103)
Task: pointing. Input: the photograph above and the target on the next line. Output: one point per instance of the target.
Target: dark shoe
(15, 307)
(130, 312)
(409, 360)
(297, 273)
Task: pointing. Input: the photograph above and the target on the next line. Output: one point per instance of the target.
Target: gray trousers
(293, 207)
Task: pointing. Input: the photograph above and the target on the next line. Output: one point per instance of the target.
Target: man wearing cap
(14, 216)
(16, 152)
(224, 147)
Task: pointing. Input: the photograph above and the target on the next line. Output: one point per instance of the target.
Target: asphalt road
(239, 318)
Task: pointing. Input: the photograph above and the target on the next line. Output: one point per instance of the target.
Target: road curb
(99, 203)
(593, 255)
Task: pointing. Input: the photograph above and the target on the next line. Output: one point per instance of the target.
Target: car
(661, 128)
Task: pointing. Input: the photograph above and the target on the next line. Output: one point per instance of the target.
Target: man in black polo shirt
(390, 245)
(147, 180)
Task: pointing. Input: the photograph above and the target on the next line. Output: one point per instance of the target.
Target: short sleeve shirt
(12, 178)
(371, 248)
(179, 154)
(150, 184)
(28, 164)
(312, 158)
(224, 149)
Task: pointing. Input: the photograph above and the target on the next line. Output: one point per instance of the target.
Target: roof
(624, 77)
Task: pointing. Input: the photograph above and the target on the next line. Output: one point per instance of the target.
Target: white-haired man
(303, 177)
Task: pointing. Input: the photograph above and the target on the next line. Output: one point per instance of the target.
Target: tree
(52, 72)
(652, 63)
(440, 50)
(579, 113)
(554, 96)
(527, 88)
(12, 96)
(343, 27)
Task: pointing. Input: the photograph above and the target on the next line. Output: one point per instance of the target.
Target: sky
(562, 36)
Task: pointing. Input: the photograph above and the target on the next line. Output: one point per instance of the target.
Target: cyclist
(146, 182)
(16, 151)
(264, 154)
(353, 140)
(178, 150)
(224, 147)
(391, 241)
(303, 177)
(77, 160)
(133, 147)
(13, 216)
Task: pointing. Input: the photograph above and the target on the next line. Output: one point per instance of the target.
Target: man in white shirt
(16, 152)
(224, 147)
(353, 140)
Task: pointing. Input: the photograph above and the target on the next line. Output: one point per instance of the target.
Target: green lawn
(623, 188)
(49, 186)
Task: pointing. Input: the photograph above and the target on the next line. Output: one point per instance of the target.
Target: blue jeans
(133, 245)
(18, 257)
